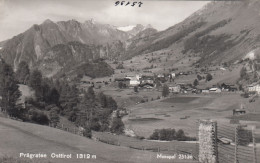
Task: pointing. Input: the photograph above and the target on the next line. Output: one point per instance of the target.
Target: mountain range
(219, 32)
(53, 46)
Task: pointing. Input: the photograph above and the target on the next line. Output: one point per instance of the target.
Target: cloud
(18, 15)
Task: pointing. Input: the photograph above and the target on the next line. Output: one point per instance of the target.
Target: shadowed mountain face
(220, 32)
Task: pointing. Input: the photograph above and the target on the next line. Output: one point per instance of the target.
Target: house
(239, 111)
(134, 82)
(188, 90)
(175, 89)
(228, 87)
(125, 81)
(254, 88)
(146, 85)
(215, 90)
(147, 79)
(160, 76)
(204, 91)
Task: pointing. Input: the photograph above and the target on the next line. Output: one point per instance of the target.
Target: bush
(87, 132)
(245, 136)
(245, 95)
(39, 117)
(209, 77)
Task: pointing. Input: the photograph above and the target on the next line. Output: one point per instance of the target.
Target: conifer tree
(9, 90)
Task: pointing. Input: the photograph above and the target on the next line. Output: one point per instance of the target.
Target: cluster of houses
(188, 88)
(137, 80)
(146, 81)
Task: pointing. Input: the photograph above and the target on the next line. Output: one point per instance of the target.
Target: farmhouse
(228, 87)
(160, 75)
(216, 90)
(147, 79)
(204, 91)
(125, 81)
(254, 88)
(239, 111)
(134, 82)
(175, 89)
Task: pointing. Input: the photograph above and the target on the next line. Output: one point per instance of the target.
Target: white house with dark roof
(254, 88)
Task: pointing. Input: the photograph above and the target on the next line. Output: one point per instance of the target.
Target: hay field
(181, 112)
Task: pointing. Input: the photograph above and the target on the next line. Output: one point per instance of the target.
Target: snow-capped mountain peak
(126, 28)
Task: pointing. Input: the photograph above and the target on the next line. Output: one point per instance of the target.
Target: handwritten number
(128, 3)
(140, 4)
(117, 3)
(134, 3)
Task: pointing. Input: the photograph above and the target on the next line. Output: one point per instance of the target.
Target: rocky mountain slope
(220, 32)
(55, 46)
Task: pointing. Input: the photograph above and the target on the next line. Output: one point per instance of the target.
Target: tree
(91, 93)
(54, 96)
(39, 117)
(135, 89)
(111, 103)
(120, 85)
(158, 83)
(180, 135)
(117, 125)
(165, 91)
(9, 90)
(102, 99)
(209, 77)
(199, 77)
(54, 117)
(35, 80)
(155, 135)
(87, 132)
(196, 82)
(23, 72)
(243, 73)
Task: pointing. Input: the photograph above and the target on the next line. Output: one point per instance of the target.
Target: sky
(16, 16)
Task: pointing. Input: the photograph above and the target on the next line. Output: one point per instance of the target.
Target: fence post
(254, 145)
(236, 144)
(207, 137)
(216, 140)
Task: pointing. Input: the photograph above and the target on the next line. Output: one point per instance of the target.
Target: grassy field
(127, 97)
(166, 147)
(17, 137)
(183, 112)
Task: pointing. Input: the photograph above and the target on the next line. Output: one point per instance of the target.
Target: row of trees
(169, 135)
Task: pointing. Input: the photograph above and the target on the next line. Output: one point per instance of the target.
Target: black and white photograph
(129, 81)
